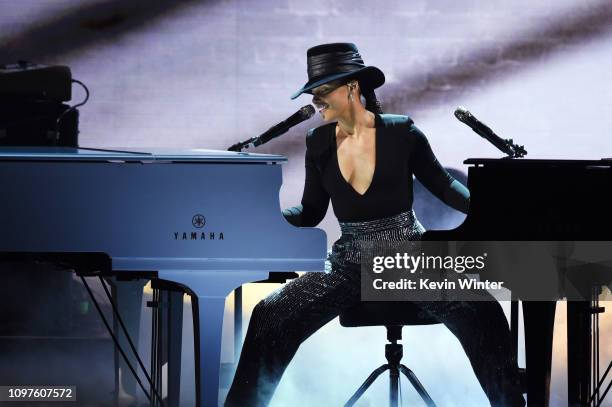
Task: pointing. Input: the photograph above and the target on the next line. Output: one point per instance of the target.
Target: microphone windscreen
(462, 113)
(307, 111)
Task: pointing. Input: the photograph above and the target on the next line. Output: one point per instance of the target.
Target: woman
(363, 161)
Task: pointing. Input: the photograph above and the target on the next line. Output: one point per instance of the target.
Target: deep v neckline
(376, 158)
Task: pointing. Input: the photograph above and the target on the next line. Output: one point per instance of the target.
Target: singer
(363, 160)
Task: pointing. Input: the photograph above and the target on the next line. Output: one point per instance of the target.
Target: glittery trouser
(287, 317)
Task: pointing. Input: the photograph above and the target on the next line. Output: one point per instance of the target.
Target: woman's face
(331, 99)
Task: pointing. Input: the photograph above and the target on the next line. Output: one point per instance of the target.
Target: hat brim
(369, 76)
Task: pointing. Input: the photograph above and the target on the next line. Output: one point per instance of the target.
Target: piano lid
(133, 155)
(526, 162)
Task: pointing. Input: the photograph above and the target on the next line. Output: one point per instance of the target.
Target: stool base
(393, 353)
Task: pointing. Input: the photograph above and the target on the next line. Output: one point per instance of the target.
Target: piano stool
(393, 316)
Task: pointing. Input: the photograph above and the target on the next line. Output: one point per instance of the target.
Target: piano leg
(539, 319)
(237, 323)
(175, 335)
(128, 298)
(208, 290)
(209, 314)
(578, 352)
(514, 326)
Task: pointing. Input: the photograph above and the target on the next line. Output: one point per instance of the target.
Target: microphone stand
(504, 145)
(304, 113)
(507, 146)
(242, 144)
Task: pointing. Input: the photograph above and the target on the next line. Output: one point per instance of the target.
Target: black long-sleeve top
(401, 151)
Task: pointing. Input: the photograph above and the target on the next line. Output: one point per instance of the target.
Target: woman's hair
(372, 103)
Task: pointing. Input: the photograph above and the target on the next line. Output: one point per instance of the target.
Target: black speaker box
(34, 123)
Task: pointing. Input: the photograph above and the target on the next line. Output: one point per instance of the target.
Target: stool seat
(385, 313)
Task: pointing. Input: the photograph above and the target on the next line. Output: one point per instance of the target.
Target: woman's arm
(315, 199)
(434, 176)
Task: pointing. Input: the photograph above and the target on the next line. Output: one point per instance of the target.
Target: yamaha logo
(198, 221)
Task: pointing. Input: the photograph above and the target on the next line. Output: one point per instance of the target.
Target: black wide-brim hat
(329, 62)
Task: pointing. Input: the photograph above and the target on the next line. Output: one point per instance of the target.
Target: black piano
(537, 199)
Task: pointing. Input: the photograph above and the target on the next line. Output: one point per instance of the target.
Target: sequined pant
(287, 317)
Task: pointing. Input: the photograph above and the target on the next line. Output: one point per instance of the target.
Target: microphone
(507, 146)
(466, 117)
(304, 113)
(298, 117)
